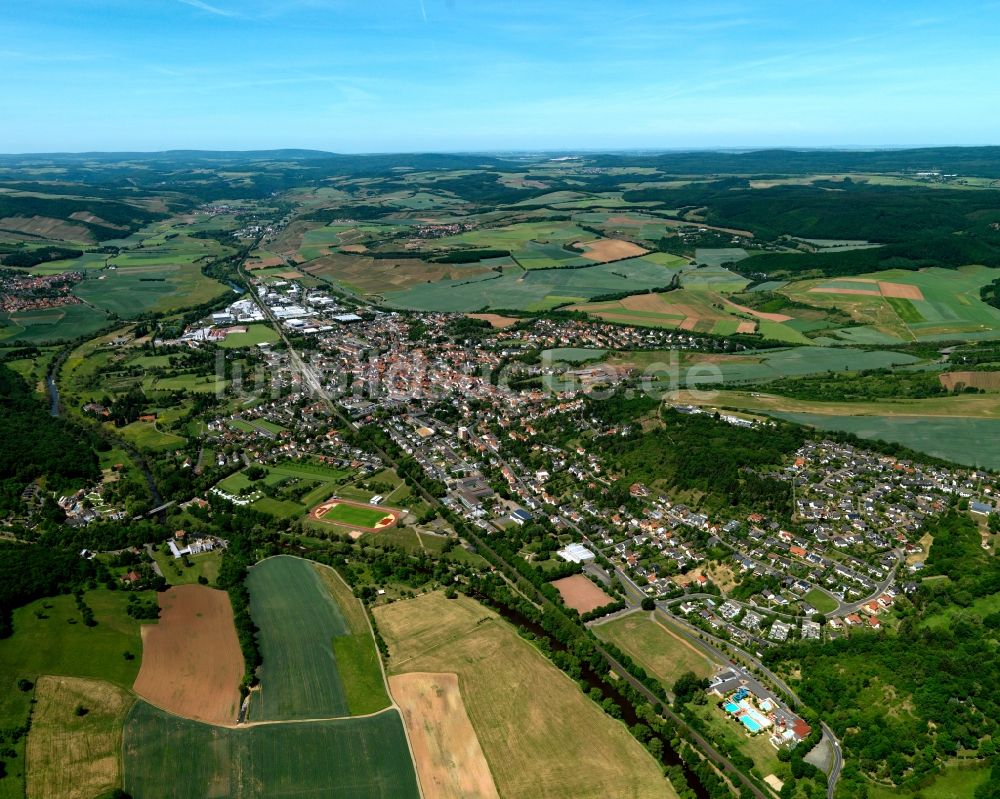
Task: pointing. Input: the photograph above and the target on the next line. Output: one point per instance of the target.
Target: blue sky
(439, 75)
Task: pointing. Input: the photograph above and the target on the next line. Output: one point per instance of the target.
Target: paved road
(838, 761)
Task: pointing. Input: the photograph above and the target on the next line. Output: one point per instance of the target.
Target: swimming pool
(749, 723)
(731, 708)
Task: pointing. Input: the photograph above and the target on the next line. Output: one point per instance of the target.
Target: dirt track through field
(450, 762)
(769, 317)
(191, 661)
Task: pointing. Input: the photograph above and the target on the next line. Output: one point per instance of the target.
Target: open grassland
(450, 762)
(366, 275)
(50, 638)
(973, 442)
(541, 736)
(51, 324)
(74, 756)
(308, 673)
(760, 366)
(957, 781)
(821, 600)
(191, 660)
(534, 290)
(166, 756)
(661, 651)
(176, 573)
(153, 287)
(254, 335)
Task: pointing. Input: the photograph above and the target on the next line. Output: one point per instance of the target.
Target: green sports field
(166, 756)
(317, 664)
(352, 515)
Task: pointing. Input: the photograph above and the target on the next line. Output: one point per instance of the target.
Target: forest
(37, 445)
(695, 452)
(904, 702)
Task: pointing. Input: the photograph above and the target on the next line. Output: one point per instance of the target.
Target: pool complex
(750, 717)
(749, 723)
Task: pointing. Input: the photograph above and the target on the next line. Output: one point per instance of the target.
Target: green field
(156, 287)
(536, 289)
(176, 573)
(299, 620)
(958, 781)
(256, 334)
(50, 638)
(660, 650)
(821, 600)
(947, 306)
(973, 442)
(51, 324)
(166, 756)
(351, 515)
(573, 354)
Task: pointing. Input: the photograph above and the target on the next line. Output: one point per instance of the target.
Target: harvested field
(901, 290)
(988, 381)
(450, 762)
(579, 593)
(495, 320)
(688, 324)
(604, 250)
(71, 756)
(541, 736)
(191, 661)
(346, 513)
(746, 327)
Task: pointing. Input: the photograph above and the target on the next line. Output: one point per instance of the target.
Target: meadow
(148, 287)
(74, 756)
(365, 758)
(661, 651)
(541, 736)
(299, 620)
(534, 290)
(51, 638)
(51, 324)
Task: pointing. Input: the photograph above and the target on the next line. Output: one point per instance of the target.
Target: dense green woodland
(695, 452)
(904, 702)
(37, 445)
